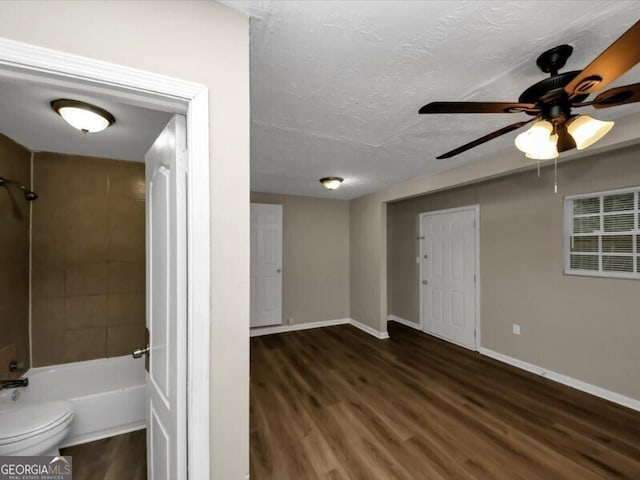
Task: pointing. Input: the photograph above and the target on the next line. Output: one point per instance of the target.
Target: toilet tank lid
(18, 420)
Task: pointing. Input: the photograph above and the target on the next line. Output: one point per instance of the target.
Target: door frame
(476, 209)
(145, 89)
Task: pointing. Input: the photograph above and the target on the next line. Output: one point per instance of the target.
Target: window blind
(602, 234)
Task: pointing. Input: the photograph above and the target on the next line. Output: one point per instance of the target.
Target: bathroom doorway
(24, 64)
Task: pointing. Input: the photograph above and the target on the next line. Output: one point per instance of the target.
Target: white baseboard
(370, 330)
(565, 380)
(256, 332)
(404, 321)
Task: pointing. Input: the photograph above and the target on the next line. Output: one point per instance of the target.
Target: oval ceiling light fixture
(81, 115)
(331, 183)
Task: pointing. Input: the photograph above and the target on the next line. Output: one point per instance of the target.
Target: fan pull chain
(555, 171)
(538, 168)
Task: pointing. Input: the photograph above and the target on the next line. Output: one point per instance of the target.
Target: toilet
(35, 428)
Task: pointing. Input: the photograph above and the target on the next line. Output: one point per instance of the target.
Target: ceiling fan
(550, 101)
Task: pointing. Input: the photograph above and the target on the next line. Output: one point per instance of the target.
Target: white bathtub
(108, 395)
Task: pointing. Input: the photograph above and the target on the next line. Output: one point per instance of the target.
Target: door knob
(278, 271)
(424, 282)
(139, 352)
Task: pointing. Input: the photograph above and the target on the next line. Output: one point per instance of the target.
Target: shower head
(28, 194)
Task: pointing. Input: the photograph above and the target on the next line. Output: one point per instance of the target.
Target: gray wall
(584, 327)
(315, 255)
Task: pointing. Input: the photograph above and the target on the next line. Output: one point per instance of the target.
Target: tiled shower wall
(14, 256)
(88, 258)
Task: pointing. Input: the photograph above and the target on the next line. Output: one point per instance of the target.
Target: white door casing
(166, 303)
(266, 264)
(448, 275)
(26, 62)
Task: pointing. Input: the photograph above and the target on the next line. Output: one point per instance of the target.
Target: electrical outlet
(290, 320)
(516, 329)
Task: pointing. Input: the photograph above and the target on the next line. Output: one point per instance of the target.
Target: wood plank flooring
(123, 457)
(336, 403)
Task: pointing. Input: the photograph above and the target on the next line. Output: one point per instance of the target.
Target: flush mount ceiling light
(81, 115)
(331, 183)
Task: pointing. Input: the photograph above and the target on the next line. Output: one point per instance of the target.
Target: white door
(448, 275)
(166, 303)
(266, 264)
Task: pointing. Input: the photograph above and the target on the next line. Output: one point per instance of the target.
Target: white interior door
(448, 275)
(266, 264)
(166, 303)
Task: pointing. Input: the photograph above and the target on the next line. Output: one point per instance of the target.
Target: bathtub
(108, 395)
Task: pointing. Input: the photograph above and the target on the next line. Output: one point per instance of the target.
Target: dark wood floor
(123, 457)
(335, 403)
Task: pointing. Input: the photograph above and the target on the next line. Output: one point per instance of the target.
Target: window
(602, 234)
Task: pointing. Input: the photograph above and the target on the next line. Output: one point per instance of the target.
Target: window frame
(634, 232)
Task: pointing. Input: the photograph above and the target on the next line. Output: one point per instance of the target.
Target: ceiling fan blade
(619, 57)
(565, 140)
(486, 138)
(618, 96)
(478, 107)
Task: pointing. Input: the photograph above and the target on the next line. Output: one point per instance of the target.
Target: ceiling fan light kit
(539, 142)
(586, 130)
(551, 100)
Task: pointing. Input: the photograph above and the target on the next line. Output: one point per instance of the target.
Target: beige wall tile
(87, 236)
(85, 311)
(126, 180)
(20, 335)
(7, 355)
(88, 176)
(14, 282)
(47, 313)
(87, 211)
(127, 245)
(49, 213)
(85, 278)
(6, 321)
(49, 245)
(85, 344)
(87, 245)
(48, 279)
(126, 308)
(14, 324)
(12, 238)
(126, 277)
(48, 347)
(50, 175)
(122, 340)
(126, 213)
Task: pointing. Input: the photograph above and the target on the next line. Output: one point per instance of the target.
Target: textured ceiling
(26, 117)
(336, 85)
